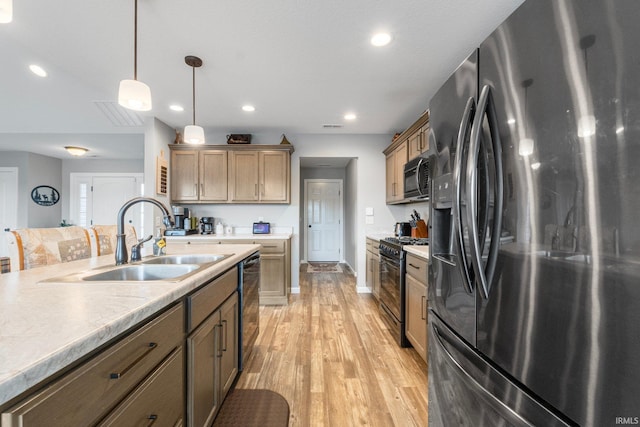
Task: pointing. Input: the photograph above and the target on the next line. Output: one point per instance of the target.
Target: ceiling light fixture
(134, 94)
(248, 108)
(6, 11)
(350, 116)
(381, 39)
(193, 134)
(176, 107)
(76, 151)
(38, 70)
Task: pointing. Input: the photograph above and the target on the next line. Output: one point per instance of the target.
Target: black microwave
(416, 179)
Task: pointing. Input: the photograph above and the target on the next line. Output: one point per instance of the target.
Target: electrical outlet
(260, 219)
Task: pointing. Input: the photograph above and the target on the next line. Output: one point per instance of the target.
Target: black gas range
(392, 283)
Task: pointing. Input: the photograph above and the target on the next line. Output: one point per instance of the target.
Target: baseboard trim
(363, 290)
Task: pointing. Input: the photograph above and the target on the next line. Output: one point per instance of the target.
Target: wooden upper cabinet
(184, 175)
(419, 142)
(395, 173)
(244, 176)
(231, 174)
(274, 176)
(213, 176)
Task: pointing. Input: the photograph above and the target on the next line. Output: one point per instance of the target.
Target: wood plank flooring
(332, 358)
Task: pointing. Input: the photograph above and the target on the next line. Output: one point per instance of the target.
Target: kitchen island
(48, 327)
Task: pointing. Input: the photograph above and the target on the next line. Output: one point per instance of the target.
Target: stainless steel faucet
(121, 246)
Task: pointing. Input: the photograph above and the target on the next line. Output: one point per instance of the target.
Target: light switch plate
(368, 219)
(368, 211)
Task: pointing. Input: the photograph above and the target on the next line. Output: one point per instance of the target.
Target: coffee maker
(207, 225)
(179, 215)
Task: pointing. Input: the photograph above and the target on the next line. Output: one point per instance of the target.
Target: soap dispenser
(159, 244)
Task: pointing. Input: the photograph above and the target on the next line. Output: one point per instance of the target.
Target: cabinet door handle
(262, 190)
(414, 266)
(423, 312)
(117, 375)
(225, 334)
(201, 189)
(152, 419)
(255, 191)
(195, 189)
(218, 336)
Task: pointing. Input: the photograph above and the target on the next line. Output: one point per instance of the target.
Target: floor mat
(324, 267)
(248, 408)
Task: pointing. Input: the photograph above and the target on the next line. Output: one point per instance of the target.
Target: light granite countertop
(417, 250)
(46, 326)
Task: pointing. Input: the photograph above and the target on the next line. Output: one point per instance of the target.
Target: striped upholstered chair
(103, 238)
(37, 247)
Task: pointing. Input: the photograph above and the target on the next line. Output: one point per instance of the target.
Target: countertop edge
(20, 377)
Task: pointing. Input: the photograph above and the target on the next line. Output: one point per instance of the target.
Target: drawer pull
(423, 312)
(270, 246)
(117, 375)
(152, 419)
(414, 266)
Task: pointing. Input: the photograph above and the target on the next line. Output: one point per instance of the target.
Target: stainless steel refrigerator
(534, 281)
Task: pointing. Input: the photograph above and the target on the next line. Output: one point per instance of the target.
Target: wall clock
(45, 195)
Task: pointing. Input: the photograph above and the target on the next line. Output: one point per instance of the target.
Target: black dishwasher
(249, 290)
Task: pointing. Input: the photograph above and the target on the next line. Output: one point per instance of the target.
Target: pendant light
(6, 11)
(134, 94)
(193, 134)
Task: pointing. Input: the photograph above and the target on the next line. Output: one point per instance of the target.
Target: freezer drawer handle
(507, 412)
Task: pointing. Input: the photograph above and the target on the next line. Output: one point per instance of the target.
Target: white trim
(306, 219)
(363, 290)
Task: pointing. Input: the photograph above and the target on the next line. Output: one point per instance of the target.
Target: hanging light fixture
(76, 151)
(6, 11)
(134, 94)
(193, 134)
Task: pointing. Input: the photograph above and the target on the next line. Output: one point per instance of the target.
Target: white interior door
(8, 204)
(96, 199)
(324, 219)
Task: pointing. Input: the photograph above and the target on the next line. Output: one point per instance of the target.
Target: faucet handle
(135, 249)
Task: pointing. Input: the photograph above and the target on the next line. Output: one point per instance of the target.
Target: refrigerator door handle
(486, 107)
(457, 234)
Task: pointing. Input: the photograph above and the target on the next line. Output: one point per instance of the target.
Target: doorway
(323, 201)
(8, 204)
(97, 198)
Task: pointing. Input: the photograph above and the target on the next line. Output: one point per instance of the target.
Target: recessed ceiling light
(511, 121)
(620, 130)
(176, 107)
(349, 116)
(38, 70)
(535, 166)
(381, 39)
(248, 108)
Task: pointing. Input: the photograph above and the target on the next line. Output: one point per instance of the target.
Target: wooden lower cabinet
(416, 303)
(159, 400)
(89, 393)
(373, 267)
(212, 349)
(275, 265)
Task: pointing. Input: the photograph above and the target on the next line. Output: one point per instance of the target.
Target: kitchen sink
(167, 268)
(145, 273)
(185, 259)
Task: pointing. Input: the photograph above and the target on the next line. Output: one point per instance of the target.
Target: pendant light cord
(135, 41)
(194, 94)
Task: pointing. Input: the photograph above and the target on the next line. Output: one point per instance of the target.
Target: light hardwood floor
(330, 355)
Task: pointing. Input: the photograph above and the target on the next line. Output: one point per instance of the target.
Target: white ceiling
(302, 63)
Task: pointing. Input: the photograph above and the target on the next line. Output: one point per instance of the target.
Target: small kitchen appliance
(207, 225)
(402, 229)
